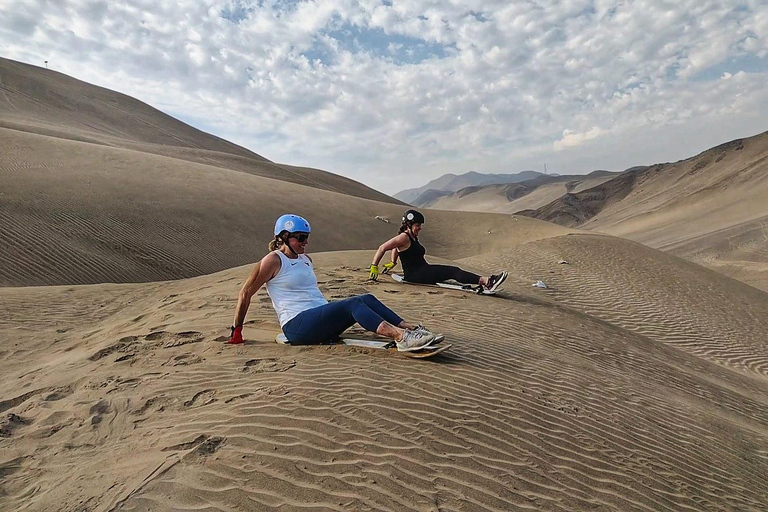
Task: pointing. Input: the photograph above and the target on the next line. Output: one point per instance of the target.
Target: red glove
(237, 335)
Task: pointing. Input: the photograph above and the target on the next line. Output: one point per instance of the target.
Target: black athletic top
(417, 270)
(413, 257)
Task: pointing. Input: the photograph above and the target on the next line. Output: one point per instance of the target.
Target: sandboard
(460, 287)
(425, 352)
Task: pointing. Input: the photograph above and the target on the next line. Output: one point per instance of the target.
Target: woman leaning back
(304, 314)
(411, 253)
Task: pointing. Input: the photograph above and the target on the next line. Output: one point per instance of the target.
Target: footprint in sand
(123, 345)
(11, 423)
(201, 398)
(98, 410)
(59, 393)
(268, 364)
(158, 404)
(183, 360)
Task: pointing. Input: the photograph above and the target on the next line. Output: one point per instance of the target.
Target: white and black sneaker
(414, 340)
(438, 337)
(494, 282)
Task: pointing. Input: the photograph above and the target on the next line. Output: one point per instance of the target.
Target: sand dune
(144, 218)
(611, 391)
(39, 101)
(99, 187)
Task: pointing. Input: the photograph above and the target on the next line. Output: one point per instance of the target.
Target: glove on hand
(237, 335)
(374, 273)
(387, 267)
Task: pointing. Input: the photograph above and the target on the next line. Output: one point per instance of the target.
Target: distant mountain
(511, 197)
(573, 209)
(430, 195)
(454, 183)
(710, 209)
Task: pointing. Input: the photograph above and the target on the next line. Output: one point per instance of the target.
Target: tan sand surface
(636, 382)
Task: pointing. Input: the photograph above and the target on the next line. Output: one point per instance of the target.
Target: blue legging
(327, 322)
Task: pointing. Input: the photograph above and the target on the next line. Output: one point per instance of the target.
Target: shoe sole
(414, 349)
(497, 284)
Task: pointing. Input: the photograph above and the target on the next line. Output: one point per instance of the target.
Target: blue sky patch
(398, 48)
(749, 63)
(478, 16)
(236, 12)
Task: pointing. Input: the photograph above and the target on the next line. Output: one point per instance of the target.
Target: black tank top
(413, 257)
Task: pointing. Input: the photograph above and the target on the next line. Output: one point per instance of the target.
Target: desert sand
(611, 390)
(636, 381)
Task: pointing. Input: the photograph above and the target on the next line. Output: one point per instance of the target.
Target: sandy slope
(81, 213)
(38, 101)
(637, 382)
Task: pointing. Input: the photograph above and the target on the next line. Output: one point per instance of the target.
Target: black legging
(432, 274)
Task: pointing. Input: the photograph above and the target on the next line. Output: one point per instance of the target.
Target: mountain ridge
(453, 182)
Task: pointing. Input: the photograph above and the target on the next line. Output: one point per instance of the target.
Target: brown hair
(279, 240)
(404, 227)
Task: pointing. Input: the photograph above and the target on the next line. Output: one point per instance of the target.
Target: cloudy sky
(394, 93)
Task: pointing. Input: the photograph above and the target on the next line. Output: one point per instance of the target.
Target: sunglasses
(300, 237)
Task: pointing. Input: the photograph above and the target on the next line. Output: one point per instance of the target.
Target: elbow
(245, 295)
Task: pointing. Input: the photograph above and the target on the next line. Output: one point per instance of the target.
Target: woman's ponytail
(275, 243)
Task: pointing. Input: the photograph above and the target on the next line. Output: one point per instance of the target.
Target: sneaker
(494, 282)
(414, 340)
(438, 337)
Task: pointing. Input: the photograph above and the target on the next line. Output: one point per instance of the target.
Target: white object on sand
(539, 284)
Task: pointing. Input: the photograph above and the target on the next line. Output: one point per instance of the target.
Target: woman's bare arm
(262, 272)
(400, 241)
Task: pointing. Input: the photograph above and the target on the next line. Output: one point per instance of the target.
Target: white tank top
(294, 288)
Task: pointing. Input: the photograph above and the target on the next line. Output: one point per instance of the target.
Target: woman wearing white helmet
(408, 249)
(304, 314)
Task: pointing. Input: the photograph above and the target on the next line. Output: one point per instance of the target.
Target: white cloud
(572, 139)
(385, 91)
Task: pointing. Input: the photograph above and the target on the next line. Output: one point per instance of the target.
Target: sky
(395, 93)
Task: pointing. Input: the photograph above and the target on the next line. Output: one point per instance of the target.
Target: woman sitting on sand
(415, 268)
(304, 314)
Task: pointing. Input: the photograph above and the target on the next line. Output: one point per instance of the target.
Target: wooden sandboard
(462, 288)
(424, 353)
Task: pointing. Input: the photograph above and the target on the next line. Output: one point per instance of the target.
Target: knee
(368, 299)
